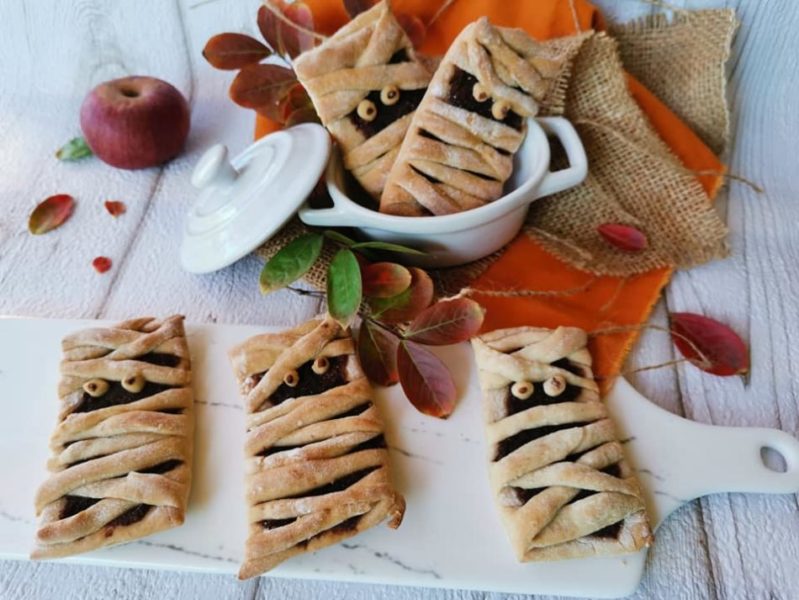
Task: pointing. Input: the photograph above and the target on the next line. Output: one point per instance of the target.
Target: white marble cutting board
(451, 536)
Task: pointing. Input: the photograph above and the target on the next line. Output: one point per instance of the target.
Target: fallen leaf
(101, 264)
(385, 279)
(51, 213)
(377, 351)
(262, 87)
(115, 207)
(709, 344)
(291, 262)
(234, 51)
(343, 286)
(623, 237)
(446, 322)
(425, 380)
(74, 149)
(405, 306)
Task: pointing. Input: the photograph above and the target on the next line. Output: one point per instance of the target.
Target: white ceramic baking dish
(464, 237)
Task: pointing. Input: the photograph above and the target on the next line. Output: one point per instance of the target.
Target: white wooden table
(52, 53)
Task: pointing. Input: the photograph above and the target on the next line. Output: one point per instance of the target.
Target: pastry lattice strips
(317, 462)
(122, 450)
(365, 82)
(557, 469)
(460, 145)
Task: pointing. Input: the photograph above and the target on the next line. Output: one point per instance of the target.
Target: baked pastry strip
(122, 450)
(365, 82)
(317, 462)
(557, 469)
(460, 145)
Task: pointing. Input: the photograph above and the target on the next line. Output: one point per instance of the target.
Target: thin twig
(669, 363)
(302, 292)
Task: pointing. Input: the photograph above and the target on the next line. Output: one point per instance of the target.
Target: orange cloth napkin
(601, 301)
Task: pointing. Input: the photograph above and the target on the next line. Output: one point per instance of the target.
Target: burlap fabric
(682, 62)
(634, 178)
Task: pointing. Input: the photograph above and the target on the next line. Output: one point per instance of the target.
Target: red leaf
(115, 207)
(377, 351)
(281, 36)
(51, 213)
(710, 345)
(425, 380)
(446, 322)
(263, 88)
(101, 264)
(234, 51)
(356, 7)
(408, 304)
(385, 279)
(623, 237)
(414, 28)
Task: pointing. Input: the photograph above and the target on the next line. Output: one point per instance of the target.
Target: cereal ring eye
(479, 92)
(389, 95)
(292, 378)
(134, 383)
(95, 387)
(555, 385)
(499, 110)
(367, 110)
(320, 365)
(522, 389)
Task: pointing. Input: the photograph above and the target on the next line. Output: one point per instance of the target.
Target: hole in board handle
(773, 459)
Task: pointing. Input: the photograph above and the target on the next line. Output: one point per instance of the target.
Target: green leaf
(388, 247)
(74, 149)
(343, 286)
(339, 237)
(291, 262)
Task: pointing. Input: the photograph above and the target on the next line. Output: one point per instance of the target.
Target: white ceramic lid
(246, 201)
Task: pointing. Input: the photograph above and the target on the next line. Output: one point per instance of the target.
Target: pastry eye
(499, 110)
(479, 92)
(95, 387)
(555, 385)
(292, 378)
(522, 389)
(367, 110)
(320, 365)
(389, 95)
(134, 383)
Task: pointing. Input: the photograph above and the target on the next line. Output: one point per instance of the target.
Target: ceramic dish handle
(557, 181)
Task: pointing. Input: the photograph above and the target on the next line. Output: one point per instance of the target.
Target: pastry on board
(557, 469)
(365, 82)
(460, 144)
(122, 450)
(317, 463)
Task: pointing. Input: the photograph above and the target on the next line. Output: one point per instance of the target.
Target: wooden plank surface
(52, 53)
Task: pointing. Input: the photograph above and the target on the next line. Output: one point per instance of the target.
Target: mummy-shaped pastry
(317, 462)
(557, 469)
(365, 82)
(459, 149)
(122, 449)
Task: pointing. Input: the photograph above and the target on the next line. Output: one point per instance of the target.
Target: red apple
(135, 122)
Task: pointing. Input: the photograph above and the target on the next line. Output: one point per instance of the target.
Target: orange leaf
(51, 213)
(262, 87)
(425, 380)
(623, 237)
(234, 51)
(115, 207)
(280, 35)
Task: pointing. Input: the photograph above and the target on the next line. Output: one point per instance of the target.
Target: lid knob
(214, 169)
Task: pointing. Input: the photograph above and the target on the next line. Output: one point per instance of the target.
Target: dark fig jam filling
(337, 485)
(311, 384)
(277, 523)
(386, 114)
(75, 504)
(460, 95)
(162, 467)
(159, 359)
(130, 516)
(117, 394)
(515, 442)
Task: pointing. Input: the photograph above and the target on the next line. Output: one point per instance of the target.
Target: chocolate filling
(344, 527)
(371, 444)
(386, 114)
(160, 359)
(515, 442)
(567, 365)
(429, 178)
(162, 467)
(611, 531)
(337, 485)
(276, 523)
(75, 504)
(116, 394)
(460, 95)
(400, 56)
(129, 517)
(310, 383)
(514, 405)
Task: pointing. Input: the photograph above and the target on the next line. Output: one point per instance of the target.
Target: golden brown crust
(120, 469)
(457, 156)
(317, 463)
(360, 61)
(557, 469)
